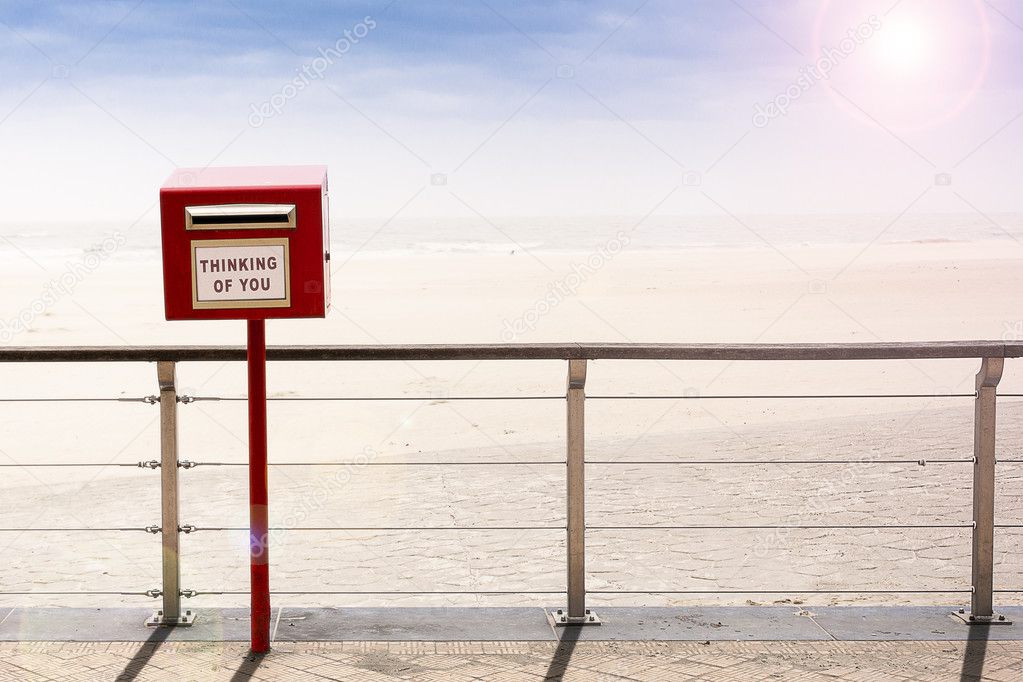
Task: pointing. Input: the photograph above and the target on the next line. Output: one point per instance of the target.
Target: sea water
(521, 234)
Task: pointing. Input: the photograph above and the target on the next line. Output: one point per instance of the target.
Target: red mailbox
(251, 244)
(245, 243)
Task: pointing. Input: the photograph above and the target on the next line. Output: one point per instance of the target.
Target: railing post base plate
(157, 620)
(560, 618)
(970, 619)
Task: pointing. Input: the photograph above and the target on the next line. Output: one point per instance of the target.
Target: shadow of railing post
(562, 657)
(137, 665)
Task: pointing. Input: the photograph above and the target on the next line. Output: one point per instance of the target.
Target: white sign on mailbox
(239, 273)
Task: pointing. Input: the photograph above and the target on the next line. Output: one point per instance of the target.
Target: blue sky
(524, 108)
(494, 33)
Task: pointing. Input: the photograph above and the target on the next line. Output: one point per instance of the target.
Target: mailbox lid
(246, 177)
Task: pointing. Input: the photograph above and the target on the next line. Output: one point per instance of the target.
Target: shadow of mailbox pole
(248, 244)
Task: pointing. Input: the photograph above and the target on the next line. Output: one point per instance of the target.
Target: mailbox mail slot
(239, 216)
(245, 243)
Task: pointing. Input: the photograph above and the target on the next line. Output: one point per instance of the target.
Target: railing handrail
(901, 350)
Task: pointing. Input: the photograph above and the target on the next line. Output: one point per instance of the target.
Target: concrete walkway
(449, 624)
(510, 661)
(645, 644)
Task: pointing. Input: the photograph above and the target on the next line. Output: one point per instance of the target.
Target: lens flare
(918, 70)
(904, 45)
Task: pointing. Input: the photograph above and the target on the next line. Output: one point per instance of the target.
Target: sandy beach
(945, 290)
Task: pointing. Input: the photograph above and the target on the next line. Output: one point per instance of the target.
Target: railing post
(171, 613)
(575, 478)
(982, 580)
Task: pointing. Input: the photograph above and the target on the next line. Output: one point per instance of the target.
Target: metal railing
(991, 355)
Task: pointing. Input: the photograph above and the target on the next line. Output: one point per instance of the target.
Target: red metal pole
(259, 540)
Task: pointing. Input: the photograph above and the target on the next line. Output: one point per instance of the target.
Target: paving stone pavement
(510, 661)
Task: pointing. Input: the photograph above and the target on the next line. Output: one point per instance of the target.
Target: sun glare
(904, 45)
(915, 65)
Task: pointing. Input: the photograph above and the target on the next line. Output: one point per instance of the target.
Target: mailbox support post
(171, 614)
(982, 581)
(575, 477)
(259, 538)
